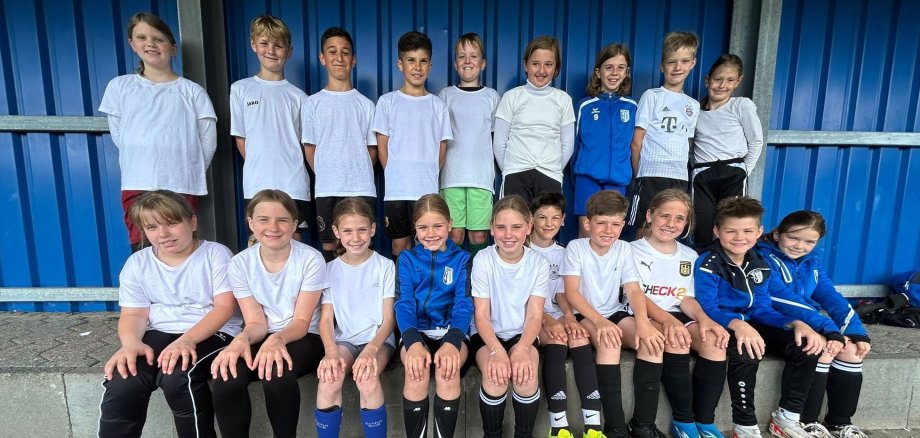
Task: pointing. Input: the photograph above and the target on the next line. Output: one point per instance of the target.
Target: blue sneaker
(683, 430)
(708, 430)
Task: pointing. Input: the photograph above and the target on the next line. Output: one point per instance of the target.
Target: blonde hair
(668, 195)
(154, 22)
(271, 26)
(273, 195)
(609, 51)
(471, 39)
(675, 41)
(168, 205)
(430, 203)
(544, 42)
(350, 206)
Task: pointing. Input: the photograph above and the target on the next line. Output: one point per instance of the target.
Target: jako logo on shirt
(448, 277)
(252, 102)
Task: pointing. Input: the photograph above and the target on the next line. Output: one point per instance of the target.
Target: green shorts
(470, 208)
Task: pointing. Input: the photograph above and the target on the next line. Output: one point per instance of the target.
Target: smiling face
(355, 232)
(677, 66)
(171, 239)
(797, 243)
(271, 52)
(722, 83)
(152, 46)
(338, 58)
(272, 225)
(667, 222)
(612, 73)
(510, 230)
(432, 230)
(547, 221)
(540, 67)
(738, 235)
(469, 63)
(415, 66)
(603, 231)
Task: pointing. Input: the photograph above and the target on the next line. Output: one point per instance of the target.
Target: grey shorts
(356, 350)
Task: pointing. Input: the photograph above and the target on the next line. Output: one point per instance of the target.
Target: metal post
(743, 39)
(204, 60)
(764, 75)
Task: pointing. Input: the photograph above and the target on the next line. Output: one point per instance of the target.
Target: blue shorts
(585, 186)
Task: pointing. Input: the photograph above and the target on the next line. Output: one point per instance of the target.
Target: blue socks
(374, 422)
(328, 422)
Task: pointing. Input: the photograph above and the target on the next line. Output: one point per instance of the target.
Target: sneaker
(745, 432)
(818, 430)
(785, 428)
(637, 431)
(846, 431)
(593, 433)
(616, 433)
(684, 430)
(563, 433)
(709, 430)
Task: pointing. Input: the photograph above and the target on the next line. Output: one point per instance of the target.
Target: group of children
(503, 306)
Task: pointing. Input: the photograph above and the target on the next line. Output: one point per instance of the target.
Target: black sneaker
(648, 431)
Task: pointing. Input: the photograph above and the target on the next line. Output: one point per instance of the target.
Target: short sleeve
(220, 261)
(644, 111)
(446, 132)
(314, 273)
(203, 107)
(382, 116)
(111, 99)
(505, 110)
(568, 111)
(371, 136)
(327, 296)
(130, 287)
(388, 279)
(571, 264)
(307, 117)
(628, 264)
(541, 286)
(494, 98)
(237, 123)
(480, 278)
(237, 275)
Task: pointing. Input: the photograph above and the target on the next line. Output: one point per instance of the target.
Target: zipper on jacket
(430, 289)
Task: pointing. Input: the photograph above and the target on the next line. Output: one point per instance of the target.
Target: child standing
(535, 126)
(665, 120)
(338, 134)
(561, 334)
(468, 176)
(595, 268)
(433, 310)
(604, 129)
(266, 117)
(163, 125)
(357, 322)
(509, 284)
(727, 144)
(665, 268)
(788, 250)
(413, 127)
(278, 283)
(176, 306)
(733, 286)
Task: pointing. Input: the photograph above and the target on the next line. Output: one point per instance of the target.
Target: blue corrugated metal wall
(850, 66)
(60, 197)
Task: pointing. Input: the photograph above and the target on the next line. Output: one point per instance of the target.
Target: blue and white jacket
(727, 291)
(807, 280)
(433, 292)
(603, 131)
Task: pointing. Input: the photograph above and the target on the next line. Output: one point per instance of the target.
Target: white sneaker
(818, 430)
(784, 428)
(850, 431)
(746, 432)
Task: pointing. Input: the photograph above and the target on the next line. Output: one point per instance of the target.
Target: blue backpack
(907, 283)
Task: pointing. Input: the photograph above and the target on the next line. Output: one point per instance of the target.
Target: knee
(493, 389)
(368, 386)
(229, 388)
(175, 384)
(740, 358)
(709, 350)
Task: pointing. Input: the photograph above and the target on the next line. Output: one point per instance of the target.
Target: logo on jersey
(757, 276)
(669, 124)
(320, 223)
(816, 275)
(689, 111)
(595, 113)
(685, 268)
(647, 265)
(252, 102)
(624, 115)
(448, 277)
(553, 271)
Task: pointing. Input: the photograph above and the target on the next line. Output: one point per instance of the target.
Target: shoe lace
(592, 433)
(851, 431)
(817, 430)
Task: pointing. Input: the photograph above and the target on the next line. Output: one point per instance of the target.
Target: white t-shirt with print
(555, 255)
(601, 276)
(669, 120)
(277, 292)
(177, 296)
(665, 278)
(508, 287)
(357, 294)
(469, 161)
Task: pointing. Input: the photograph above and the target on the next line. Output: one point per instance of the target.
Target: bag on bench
(901, 308)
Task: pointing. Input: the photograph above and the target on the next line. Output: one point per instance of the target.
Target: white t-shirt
(555, 255)
(415, 125)
(469, 161)
(357, 294)
(277, 292)
(535, 138)
(508, 287)
(269, 115)
(669, 120)
(730, 131)
(177, 296)
(157, 131)
(340, 125)
(665, 278)
(601, 276)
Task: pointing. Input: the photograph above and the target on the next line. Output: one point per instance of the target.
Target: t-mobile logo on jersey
(669, 123)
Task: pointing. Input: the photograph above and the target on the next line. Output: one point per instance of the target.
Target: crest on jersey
(553, 272)
(624, 115)
(757, 276)
(448, 277)
(816, 275)
(320, 223)
(689, 111)
(685, 268)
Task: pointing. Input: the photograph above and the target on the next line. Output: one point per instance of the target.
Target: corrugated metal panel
(61, 223)
(850, 65)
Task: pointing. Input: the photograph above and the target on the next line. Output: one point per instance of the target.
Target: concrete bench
(51, 375)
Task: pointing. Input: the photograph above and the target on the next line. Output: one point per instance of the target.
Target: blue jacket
(603, 131)
(433, 292)
(727, 291)
(806, 280)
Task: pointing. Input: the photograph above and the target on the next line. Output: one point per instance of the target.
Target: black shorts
(432, 345)
(303, 213)
(528, 184)
(325, 206)
(614, 317)
(398, 221)
(476, 343)
(645, 189)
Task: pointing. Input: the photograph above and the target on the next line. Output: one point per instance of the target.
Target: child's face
(355, 232)
(272, 53)
(469, 63)
(722, 83)
(797, 242)
(338, 58)
(604, 230)
(612, 73)
(415, 66)
(510, 230)
(541, 67)
(168, 237)
(432, 230)
(677, 66)
(738, 235)
(152, 46)
(546, 221)
(272, 225)
(668, 221)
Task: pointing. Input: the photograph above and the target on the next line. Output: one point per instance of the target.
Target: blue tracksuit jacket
(433, 292)
(603, 131)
